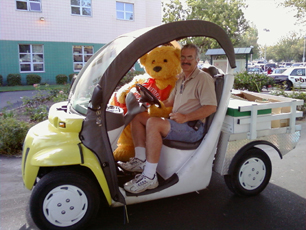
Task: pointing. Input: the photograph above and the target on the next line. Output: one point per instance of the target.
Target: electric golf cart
(68, 159)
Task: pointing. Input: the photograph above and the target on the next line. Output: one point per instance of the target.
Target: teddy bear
(162, 65)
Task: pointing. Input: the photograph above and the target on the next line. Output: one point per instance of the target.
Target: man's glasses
(188, 58)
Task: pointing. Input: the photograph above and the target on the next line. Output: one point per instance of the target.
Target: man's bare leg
(155, 130)
(138, 129)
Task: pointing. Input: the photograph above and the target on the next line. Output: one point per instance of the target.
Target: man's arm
(168, 103)
(198, 114)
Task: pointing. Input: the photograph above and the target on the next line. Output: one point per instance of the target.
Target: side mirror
(96, 99)
(72, 81)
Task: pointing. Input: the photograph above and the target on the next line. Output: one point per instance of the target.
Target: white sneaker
(133, 165)
(141, 183)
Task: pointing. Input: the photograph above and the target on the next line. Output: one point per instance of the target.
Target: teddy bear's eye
(153, 62)
(165, 60)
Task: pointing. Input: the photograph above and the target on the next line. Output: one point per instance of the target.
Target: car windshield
(254, 70)
(93, 72)
(287, 71)
(279, 71)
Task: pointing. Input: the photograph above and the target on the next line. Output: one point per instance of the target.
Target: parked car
(277, 71)
(254, 70)
(271, 65)
(297, 64)
(292, 77)
(285, 64)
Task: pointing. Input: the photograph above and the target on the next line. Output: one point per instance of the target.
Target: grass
(27, 88)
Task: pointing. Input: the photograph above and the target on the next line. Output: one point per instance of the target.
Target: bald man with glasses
(193, 99)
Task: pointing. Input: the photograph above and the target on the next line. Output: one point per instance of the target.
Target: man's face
(188, 59)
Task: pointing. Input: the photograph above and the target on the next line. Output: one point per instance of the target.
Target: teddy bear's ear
(177, 53)
(143, 59)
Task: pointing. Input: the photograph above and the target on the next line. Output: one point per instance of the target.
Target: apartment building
(51, 37)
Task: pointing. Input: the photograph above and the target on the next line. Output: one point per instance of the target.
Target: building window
(125, 11)
(81, 7)
(81, 55)
(31, 58)
(28, 5)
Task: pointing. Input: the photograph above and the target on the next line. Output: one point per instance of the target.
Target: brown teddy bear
(162, 65)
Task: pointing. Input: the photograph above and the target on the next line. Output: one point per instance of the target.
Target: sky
(266, 14)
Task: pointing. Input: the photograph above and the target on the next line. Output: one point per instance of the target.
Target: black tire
(286, 85)
(289, 85)
(67, 192)
(250, 173)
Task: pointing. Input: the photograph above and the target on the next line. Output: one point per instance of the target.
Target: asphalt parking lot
(282, 205)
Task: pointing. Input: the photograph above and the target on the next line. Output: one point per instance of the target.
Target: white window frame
(83, 56)
(31, 62)
(29, 2)
(125, 12)
(81, 8)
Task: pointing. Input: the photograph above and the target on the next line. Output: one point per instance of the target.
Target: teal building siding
(58, 59)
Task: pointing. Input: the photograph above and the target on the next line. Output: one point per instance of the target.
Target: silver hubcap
(65, 205)
(252, 173)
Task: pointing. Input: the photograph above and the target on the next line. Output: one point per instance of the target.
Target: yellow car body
(55, 143)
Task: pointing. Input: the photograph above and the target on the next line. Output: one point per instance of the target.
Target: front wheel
(286, 85)
(64, 199)
(250, 173)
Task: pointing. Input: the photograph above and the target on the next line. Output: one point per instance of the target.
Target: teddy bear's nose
(157, 68)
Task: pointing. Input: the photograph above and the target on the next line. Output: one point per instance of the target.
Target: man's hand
(178, 117)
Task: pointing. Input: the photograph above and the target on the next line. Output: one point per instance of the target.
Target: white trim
(29, 5)
(81, 9)
(124, 11)
(82, 54)
(31, 62)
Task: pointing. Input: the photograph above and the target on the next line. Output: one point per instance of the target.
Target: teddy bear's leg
(125, 149)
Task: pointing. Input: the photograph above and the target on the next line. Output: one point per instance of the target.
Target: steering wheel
(147, 96)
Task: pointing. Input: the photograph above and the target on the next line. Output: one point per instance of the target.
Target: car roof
(149, 38)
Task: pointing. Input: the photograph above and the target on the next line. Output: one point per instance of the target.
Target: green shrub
(13, 79)
(60, 94)
(1, 80)
(71, 76)
(33, 79)
(252, 82)
(37, 114)
(12, 135)
(61, 79)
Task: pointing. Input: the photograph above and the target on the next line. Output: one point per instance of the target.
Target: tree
(250, 38)
(174, 11)
(227, 14)
(300, 6)
(289, 48)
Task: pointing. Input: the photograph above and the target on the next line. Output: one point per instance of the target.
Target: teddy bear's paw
(124, 152)
(155, 111)
(121, 97)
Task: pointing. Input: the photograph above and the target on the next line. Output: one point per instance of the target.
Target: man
(193, 99)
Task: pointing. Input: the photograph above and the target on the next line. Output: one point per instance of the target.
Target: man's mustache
(186, 64)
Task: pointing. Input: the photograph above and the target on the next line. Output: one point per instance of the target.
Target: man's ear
(143, 59)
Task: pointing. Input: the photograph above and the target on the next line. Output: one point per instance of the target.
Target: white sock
(140, 153)
(150, 169)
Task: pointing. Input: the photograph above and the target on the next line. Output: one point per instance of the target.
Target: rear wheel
(286, 85)
(289, 85)
(250, 173)
(64, 199)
